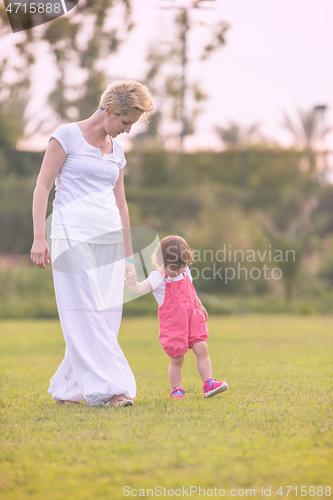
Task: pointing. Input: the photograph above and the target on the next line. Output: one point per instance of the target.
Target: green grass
(273, 427)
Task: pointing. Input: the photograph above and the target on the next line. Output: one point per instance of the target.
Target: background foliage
(252, 198)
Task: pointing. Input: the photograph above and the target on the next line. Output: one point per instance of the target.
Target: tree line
(252, 196)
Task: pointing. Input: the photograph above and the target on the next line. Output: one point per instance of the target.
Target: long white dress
(88, 272)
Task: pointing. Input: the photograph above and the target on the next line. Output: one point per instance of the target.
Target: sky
(278, 58)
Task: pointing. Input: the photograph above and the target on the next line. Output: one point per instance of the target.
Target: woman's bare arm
(119, 193)
(54, 159)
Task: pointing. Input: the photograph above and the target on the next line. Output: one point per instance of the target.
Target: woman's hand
(130, 273)
(40, 253)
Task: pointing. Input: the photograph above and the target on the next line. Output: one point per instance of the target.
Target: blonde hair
(173, 252)
(125, 96)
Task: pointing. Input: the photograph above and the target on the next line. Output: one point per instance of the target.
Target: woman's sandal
(124, 402)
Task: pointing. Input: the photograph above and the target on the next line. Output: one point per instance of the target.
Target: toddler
(182, 316)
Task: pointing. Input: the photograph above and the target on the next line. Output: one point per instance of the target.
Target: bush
(27, 292)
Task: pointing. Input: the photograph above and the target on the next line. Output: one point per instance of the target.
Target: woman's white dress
(88, 272)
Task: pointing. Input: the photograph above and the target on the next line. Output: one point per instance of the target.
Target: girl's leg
(175, 371)
(204, 365)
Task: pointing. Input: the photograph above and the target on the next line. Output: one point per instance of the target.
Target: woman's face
(118, 124)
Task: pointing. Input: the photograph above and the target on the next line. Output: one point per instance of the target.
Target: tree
(79, 46)
(291, 245)
(306, 133)
(166, 76)
(11, 130)
(234, 135)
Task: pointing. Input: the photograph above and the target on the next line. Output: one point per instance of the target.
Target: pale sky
(278, 57)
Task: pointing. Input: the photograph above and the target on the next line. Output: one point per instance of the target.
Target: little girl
(181, 314)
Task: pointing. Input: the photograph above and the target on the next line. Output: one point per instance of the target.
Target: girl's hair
(125, 96)
(172, 252)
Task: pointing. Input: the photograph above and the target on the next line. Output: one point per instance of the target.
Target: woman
(91, 245)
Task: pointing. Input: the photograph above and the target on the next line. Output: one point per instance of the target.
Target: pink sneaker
(211, 387)
(177, 393)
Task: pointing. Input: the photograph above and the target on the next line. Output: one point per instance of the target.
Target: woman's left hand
(130, 273)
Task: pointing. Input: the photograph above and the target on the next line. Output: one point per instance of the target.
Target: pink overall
(182, 324)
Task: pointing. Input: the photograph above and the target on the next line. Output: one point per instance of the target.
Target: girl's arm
(139, 287)
(202, 308)
(54, 159)
(119, 193)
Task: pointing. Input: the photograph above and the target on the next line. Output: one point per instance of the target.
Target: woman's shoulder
(68, 134)
(64, 133)
(117, 143)
(66, 128)
(117, 147)
(119, 153)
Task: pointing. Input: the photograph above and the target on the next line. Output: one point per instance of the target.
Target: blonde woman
(91, 245)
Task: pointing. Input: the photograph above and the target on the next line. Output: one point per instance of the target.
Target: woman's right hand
(53, 160)
(40, 254)
(130, 273)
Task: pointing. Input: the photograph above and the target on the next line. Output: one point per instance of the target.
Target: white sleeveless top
(84, 206)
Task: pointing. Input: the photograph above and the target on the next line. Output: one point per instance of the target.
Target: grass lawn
(272, 428)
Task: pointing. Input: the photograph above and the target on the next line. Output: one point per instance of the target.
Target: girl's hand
(130, 273)
(204, 312)
(40, 253)
(202, 308)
